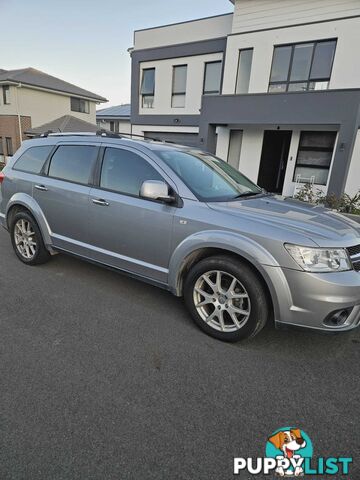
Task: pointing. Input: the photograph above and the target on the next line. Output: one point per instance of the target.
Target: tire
(238, 310)
(24, 228)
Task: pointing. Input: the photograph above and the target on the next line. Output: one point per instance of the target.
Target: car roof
(144, 144)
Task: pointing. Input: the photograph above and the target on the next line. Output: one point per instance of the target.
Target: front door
(274, 157)
(127, 231)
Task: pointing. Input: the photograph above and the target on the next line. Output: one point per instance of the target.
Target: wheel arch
(240, 248)
(23, 202)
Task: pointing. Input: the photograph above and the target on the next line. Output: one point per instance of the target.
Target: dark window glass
(301, 62)
(6, 94)
(323, 60)
(32, 161)
(79, 105)
(1, 147)
(9, 146)
(302, 67)
(314, 157)
(212, 80)
(179, 86)
(244, 71)
(148, 88)
(281, 64)
(124, 171)
(73, 163)
(208, 177)
(148, 82)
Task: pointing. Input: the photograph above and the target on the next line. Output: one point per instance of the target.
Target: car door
(63, 195)
(127, 231)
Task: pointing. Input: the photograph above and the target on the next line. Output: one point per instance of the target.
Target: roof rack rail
(106, 133)
(51, 133)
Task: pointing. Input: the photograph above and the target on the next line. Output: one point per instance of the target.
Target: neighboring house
(274, 89)
(116, 119)
(65, 124)
(29, 98)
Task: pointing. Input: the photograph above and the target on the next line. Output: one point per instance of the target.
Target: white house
(30, 98)
(273, 88)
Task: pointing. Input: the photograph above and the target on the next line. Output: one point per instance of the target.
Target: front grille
(354, 253)
(354, 250)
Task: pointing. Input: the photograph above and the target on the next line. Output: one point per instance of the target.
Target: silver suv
(188, 222)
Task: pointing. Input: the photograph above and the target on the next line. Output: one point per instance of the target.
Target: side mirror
(156, 190)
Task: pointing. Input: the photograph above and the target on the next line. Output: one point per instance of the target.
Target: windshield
(208, 177)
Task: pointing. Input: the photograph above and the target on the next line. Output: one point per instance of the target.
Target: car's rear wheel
(27, 239)
(226, 298)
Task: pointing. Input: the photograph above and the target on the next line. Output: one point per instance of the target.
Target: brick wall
(9, 128)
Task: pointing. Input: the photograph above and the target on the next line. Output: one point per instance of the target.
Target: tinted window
(301, 67)
(314, 157)
(33, 159)
(244, 71)
(212, 79)
(208, 177)
(73, 163)
(124, 171)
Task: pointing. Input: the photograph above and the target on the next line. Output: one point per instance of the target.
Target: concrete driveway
(103, 377)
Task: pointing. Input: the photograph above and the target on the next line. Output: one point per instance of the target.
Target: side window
(33, 160)
(73, 163)
(124, 171)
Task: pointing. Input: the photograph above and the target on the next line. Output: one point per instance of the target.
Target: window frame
(97, 175)
(178, 94)
(288, 81)
(6, 94)
(146, 95)
(315, 149)
(91, 179)
(212, 92)
(86, 103)
(238, 68)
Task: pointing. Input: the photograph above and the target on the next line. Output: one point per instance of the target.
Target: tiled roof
(36, 78)
(64, 124)
(113, 112)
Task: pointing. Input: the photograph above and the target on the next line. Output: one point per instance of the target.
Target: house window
(9, 146)
(148, 88)
(302, 67)
(212, 78)
(179, 86)
(244, 70)
(6, 94)
(79, 105)
(314, 157)
(1, 147)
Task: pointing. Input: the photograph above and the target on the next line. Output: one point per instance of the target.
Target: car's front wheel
(226, 298)
(27, 240)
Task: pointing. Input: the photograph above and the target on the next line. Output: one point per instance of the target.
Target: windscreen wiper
(248, 194)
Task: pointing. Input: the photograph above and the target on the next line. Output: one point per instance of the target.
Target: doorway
(274, 158)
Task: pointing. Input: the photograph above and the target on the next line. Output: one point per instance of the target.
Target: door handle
(41, 187)
(101, 202)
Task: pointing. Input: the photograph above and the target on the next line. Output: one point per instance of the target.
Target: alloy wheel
(25, 239)
(222, 301)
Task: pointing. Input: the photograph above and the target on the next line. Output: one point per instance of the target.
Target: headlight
(319, 260)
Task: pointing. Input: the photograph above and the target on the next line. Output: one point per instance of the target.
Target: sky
(85, 42)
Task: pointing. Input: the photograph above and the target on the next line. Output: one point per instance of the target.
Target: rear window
(33, 160)
(73, 163)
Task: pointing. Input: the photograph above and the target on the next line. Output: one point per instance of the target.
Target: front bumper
(307, 299)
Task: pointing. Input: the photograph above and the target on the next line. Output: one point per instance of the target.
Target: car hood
(324, 227)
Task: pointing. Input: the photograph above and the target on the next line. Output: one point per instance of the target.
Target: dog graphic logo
(289, 446)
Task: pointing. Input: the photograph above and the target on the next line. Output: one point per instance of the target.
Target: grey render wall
(340, 108)
(162, 53)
